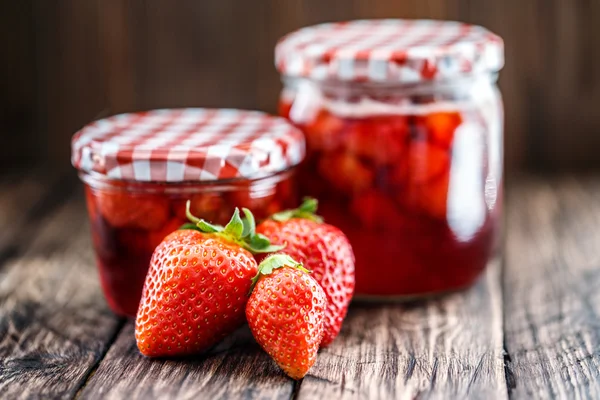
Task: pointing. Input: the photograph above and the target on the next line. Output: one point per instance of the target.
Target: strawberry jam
(403, 123)
(411, 182)
(128, 221)
(140, 170)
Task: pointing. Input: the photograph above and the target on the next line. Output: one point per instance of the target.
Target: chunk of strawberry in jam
(425, 174)
(208, 206)
(429, 198)
(255, 200)
(426, 162)
(346, 172)
(155, 237)
(124, 210)
(375, 210)
(380, 139)
(441, 126)
(325, 132)
(422, 163)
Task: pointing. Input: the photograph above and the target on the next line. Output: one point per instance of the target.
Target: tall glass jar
(403, 122)
(140, 169)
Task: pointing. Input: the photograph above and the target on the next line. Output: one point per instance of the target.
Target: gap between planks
(92, 371)
(552, 301)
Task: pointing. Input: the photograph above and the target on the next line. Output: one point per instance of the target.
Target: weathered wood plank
(236, 368)
(445, 348)
(552, 282)
(26, 198)
(54, 323)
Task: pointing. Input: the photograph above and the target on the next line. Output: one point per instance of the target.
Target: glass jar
(404, 145)
(140, 169)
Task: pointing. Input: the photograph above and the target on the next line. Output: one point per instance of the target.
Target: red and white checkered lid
(191, 144)
(389, 50)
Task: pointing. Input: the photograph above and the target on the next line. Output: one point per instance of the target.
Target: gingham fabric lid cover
(389, 50)
(193, 144)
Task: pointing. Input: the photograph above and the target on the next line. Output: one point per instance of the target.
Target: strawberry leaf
(309, 205)
(207, 227)
(188, 213)
(189, 225)
(235, 226)
(307, 210)
(200, 224)
(271, 263)
(249, 223)
(239, 231)
(259, 243)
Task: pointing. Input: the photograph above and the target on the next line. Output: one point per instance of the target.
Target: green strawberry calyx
(307, 210)
(274, 261)
(238, 230)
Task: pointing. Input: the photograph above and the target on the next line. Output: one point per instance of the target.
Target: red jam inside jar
(129, 218)
(411, 172)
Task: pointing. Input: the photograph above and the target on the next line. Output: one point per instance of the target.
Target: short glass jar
(140, 169)
(404, 145)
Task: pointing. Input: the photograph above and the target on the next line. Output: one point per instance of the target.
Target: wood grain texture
(54, 323)
(445, 348)
(55, 328)
(236, 368)
(552, 301)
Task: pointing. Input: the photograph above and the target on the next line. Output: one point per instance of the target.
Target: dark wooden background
(66, 62)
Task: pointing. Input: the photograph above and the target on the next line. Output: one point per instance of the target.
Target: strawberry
(286, 313)
(125, 210)
(197, 284)
(322, 248)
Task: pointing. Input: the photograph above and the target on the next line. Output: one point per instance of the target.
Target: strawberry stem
(274, 261)
(238, 230)
(307, 210)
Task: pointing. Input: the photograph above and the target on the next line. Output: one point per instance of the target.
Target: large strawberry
(324, 250)
(197, 286)
(286, 313)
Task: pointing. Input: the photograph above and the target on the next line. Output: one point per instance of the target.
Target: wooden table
(529, 329)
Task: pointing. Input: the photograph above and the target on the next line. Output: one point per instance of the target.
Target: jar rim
(290, 81)
(100, 181)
